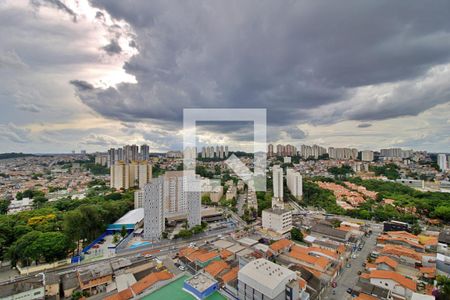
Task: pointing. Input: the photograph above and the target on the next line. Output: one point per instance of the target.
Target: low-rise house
(280, 246)
(386, 263)
(398, 284)
(95, 278)
(326, 231)
(141, 286)
(29, 288)
(70, 283)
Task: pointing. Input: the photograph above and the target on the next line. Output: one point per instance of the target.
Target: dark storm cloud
(295, 133)
(290, 57)
(82, 85)
(112, 48)
(57, 4)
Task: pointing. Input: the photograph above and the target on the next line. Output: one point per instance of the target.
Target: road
(349, 276)
(169, 247)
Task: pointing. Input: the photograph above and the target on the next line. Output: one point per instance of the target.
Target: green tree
(39, 201)
(52, 246)
(443, 284)
(296, 234)
(123, 231)
(4, 204)
(206, 200)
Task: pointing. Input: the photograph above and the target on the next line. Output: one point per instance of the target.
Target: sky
(103, 73)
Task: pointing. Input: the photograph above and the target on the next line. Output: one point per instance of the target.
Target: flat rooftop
(174, 290)
(132, 217)
(223, 244)
(201, 282)
(277, 211)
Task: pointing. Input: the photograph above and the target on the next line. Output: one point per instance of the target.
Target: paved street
(349, 276)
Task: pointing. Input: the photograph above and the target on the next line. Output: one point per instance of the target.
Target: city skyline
(114, 74)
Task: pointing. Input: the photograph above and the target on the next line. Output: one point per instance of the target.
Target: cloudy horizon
(98, 74)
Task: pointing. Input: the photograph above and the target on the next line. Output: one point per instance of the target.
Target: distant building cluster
(396, 153)
(316, 151)
(342, 153)
(220, 152)
(127, 154)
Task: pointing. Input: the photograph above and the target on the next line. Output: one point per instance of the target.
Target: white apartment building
(442, 162)
(277, 219)
(193, 198)
(177, 198)
(154, 223)
(138, 199)
(367, 155)
(294, 182)
(277, 180)
(144, 173)
(263, 279)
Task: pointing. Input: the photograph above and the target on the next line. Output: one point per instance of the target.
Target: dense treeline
(315, 196)
(14, 155)
(53, 231)
(429, 204)
(409, 204)
(388, 170)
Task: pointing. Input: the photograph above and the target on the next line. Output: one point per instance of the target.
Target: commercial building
(131, 220)
(294, 182)
(277, 219)
(201, 286)
(263, 279)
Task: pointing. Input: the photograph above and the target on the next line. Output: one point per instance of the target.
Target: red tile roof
(281, 244)
(387, 260)
(216, 267)
(230, 275)
(207, 256)
(400, 279)
(150, 280)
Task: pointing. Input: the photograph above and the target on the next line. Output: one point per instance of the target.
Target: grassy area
(174, 290)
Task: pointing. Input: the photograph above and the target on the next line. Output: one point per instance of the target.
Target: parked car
(182, 268)
(349, 290)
